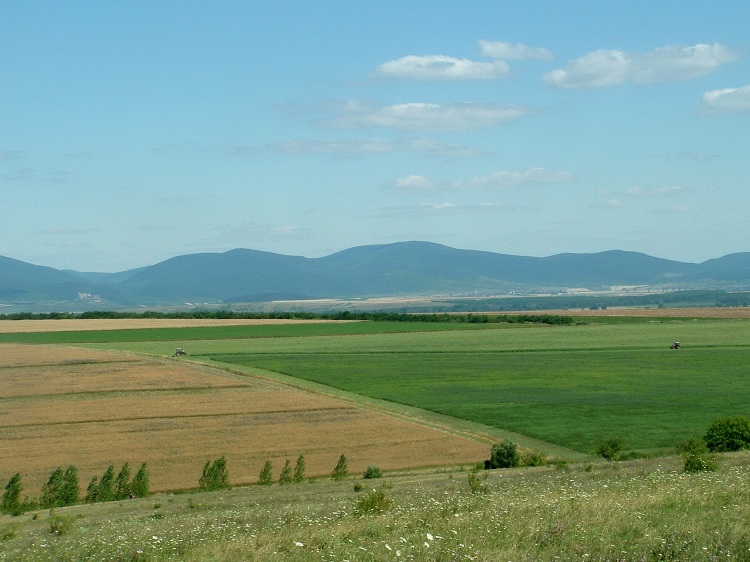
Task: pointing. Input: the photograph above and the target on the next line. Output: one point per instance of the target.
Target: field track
(65, 405)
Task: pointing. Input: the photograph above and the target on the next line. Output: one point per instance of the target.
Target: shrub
(533, 459)
(341, 470)
(299, 469)
(11, 503)
(728, 434)
(610, 448)
(286, 473)
(266, 474)
(59, 525)
(503, 455)
(373, 472)
(696, 456)
(215, 475)
(476, 486)
(376, 501)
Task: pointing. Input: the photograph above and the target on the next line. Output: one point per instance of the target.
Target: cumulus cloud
(509, 51)
(431, 117)
(613, 67)
(493, 181)
(728, 100)
(441, 67)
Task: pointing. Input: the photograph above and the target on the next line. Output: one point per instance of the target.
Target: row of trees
(62, 489)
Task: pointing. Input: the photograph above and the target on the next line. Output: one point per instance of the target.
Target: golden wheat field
(64, 405)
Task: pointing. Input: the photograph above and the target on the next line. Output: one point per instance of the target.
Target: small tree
(215, 475)
(286, 473)
(11, 503)
(728, 434)
(266, 474)
(610, 448)
(139, 486)
(122, 483)
(51, 490)
(70, 489)
(92, 491)
(341, 470)
(503, 455)
(299, 469)
(106, 489)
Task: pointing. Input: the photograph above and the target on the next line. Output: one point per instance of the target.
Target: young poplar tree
(299, 469)
(106, 490)
(122, 483)
(266, 474)
(341, 470)
(92, 491)
(11, 503)
(286, 473)
(139, 486)
(51, 490)
(70, 490)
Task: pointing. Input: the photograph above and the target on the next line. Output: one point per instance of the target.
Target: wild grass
(643, 510)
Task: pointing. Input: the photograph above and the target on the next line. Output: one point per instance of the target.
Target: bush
(341, 470)
(373, 472)
(533, 459)
(376, 501)
(728, 434)
(476, 486)
(503, 455)
(610, 448)
(696, 456)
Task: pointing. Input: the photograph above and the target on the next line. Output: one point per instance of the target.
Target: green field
(572, 386)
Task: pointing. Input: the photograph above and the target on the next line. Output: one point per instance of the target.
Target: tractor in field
(178, 352)
(675, 345)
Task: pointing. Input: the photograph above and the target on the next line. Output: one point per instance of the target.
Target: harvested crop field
(85, 324)
(64, 405)
(708, 312)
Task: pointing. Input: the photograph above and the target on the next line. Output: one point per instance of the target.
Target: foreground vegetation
(639, 510)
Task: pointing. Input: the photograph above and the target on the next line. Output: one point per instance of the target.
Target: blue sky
(131, 132)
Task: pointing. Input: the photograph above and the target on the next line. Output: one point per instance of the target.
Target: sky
(132, 131)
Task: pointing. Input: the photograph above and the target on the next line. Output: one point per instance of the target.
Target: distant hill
(400, 269)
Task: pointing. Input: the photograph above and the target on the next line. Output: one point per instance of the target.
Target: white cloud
(495, 180)
(612, 67)
(427, 116)
(509, 51)
(506, 179)
(728, 100)
(414, 182)
(441, 67)
(363, 147)
(656, 191)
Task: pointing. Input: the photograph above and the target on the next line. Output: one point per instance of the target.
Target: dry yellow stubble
(92, 409)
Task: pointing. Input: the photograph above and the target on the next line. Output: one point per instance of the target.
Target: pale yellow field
(61, 406)
(77, 325)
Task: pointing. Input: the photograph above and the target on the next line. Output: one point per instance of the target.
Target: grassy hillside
(644, 510)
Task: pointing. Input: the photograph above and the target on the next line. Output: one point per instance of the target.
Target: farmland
(422, 401)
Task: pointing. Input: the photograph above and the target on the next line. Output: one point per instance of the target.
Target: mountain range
(400, 269)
